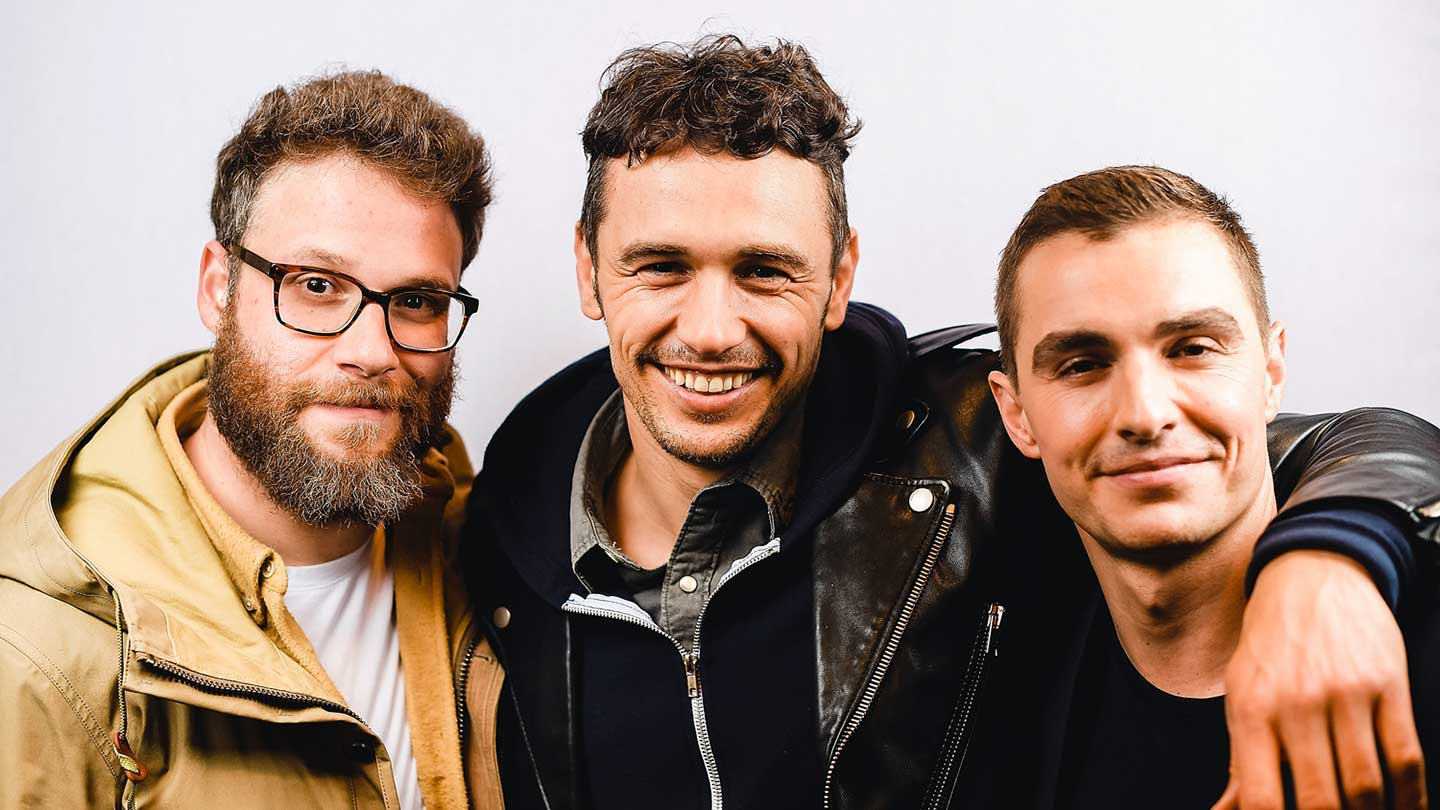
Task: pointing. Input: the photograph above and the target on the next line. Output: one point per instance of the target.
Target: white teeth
(708, 384)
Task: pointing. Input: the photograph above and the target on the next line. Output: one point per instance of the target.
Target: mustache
(758, 358)
(383, 395)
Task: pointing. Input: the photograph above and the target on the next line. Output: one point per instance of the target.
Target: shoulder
(58, 677)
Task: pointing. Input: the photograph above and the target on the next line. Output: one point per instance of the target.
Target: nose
(710, 320)
(365, 348)
(1144, 401)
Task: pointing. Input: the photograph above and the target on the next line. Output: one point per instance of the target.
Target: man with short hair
(1141, 368)
(234, 586)
(731, 560)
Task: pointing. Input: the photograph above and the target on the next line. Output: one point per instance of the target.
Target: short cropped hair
(1102, 203)
(422, 145)
(716, 95)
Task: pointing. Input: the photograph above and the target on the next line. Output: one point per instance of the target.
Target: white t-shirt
(347, 609)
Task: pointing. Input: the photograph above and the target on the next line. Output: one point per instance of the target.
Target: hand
(1318, 677)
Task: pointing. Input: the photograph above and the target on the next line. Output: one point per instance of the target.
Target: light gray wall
(1319, 119)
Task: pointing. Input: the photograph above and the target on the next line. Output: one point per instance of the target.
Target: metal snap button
(268, 569)
(501, 617)
(905, 420)
(688, 584)
(922, 499)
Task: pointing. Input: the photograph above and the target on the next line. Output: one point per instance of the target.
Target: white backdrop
(1320, 120)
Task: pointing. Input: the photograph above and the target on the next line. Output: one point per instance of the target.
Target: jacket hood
(521, 498)
(139, 538)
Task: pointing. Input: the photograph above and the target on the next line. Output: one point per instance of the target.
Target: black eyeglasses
(324, 302)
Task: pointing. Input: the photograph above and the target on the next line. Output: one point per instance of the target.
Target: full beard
(258, 416)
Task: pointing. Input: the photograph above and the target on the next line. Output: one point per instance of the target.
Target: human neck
(648, 500)
(1180, 623)
(242, 497)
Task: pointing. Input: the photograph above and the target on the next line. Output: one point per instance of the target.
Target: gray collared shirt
(726, 521)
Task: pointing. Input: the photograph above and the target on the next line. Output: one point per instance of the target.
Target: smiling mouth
(1153, 465)
(715, 383)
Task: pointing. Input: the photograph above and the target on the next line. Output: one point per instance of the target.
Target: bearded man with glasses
(233, 587)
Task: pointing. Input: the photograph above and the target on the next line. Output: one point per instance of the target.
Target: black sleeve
(1341, 478)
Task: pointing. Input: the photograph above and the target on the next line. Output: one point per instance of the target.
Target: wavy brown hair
(715, 95)
(1100, 204)
(425, 147)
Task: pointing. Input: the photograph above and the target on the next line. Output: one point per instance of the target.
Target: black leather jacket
(910, 491)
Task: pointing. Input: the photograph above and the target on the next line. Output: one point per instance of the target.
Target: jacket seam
(40, 566)
(46, 671)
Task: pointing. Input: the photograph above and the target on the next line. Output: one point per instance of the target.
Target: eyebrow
(338, 263)
(1058, 344)
(1061, 343)
(777, 254)
(636, 251)
(1210, 319)
(316, 254)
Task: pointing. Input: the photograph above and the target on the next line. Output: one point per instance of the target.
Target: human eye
(663, 272)
(420, 304)
(1079, 367)
(1194, 347)
(316, 284)
(764, 275)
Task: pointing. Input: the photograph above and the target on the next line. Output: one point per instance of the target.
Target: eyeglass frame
(277, 271)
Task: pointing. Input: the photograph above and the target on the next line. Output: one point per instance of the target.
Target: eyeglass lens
(320, 302)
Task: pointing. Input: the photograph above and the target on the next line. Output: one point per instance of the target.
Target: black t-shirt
(1131, 745)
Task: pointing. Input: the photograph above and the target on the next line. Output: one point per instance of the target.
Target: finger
(1254, 761)
(1305, 740)
(1230, 799)
(1361, 780)
(1395, 728)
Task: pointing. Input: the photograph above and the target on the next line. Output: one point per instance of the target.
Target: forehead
(1145, 274)
(702, 200)
(353, 214)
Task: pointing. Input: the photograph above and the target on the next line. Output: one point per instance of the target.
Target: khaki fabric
(224, 703)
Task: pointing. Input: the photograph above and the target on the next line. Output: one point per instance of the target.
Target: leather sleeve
(1376, 459)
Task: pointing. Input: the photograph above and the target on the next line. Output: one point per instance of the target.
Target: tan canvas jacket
(135, 672)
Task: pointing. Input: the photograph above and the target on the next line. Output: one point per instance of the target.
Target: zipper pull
(994, 616)
(692, 675)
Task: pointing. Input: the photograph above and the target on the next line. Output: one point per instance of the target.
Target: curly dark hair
(425, 147)
(718, 95)
(1102, 203)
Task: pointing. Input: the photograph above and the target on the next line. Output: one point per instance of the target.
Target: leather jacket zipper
(957, 735)
(892, 644)
(689, 658)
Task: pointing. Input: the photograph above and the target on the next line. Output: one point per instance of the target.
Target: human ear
(1274, 370)
(1012, 413)
(842, 281)
(213, 292)
(587, 283)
